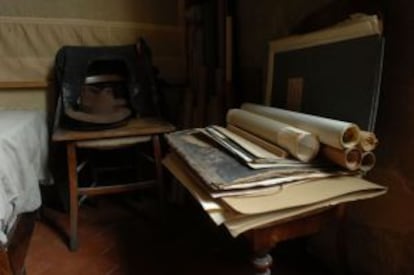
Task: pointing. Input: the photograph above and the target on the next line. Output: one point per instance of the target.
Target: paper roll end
(353, 159)
(307, 148)
(350, 137)
(368, 141)
(368, 161)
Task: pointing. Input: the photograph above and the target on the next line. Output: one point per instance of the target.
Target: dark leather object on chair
(73, 72)
(99, 106)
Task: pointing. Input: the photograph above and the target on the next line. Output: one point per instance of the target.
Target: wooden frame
(12, 256)
(335, 34)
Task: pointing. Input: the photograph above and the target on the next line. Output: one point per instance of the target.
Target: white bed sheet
(23, 162)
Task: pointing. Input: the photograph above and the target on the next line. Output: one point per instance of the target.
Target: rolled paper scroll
(335, 133)
(368, 141)
(301, 144)
(368, 161)
(278, 151)
(349, 158)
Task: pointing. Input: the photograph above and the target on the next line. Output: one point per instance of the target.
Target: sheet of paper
(296, 195)
(189, 180)
(252, 155)
(244, 223)
(221, 171)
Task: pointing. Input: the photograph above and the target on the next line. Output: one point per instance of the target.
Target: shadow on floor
(126, 235)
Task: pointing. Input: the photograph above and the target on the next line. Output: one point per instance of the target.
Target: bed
(23, 164)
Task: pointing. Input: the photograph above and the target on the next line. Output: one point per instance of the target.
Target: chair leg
(73, 194)
(158, 170)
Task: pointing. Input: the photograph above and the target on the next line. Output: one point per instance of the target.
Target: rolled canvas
(259, 141)
(368, 141)
(368, 161)
(349, 158)
(301, 144)
(336, 133)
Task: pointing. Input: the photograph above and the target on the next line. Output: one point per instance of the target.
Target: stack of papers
(201, 166)
(223, 174)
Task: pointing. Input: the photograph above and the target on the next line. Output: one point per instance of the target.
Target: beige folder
(292, 202)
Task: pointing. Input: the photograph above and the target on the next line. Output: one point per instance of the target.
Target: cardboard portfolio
(334, 73)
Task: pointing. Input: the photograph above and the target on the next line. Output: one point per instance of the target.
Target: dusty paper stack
(266, 167)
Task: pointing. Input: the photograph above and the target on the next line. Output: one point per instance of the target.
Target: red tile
(119, 240)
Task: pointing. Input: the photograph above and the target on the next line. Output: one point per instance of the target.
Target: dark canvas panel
(338, 80)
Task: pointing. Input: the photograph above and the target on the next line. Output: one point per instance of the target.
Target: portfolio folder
(334, 73)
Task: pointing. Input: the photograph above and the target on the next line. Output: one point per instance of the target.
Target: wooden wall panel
(36, 41)
(32, 32)
(23, 99)
(140, 11)
(384, 227)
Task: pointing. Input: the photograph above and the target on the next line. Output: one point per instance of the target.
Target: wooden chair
(135, 131)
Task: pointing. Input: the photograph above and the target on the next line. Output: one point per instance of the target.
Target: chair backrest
(77, 66)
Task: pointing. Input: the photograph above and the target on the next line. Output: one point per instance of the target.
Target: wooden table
(263, 239)
(135, 128)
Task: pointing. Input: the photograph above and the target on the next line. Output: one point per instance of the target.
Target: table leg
(263, 263)
(73, 195)
(261, 242)
(158, 170)
(341, 241)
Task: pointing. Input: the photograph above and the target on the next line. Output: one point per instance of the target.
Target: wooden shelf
(23, 84)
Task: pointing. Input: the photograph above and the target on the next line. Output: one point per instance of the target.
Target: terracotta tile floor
(123, 235)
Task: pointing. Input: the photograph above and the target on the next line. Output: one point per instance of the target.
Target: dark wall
(384, 227)
(259, 22)
(380, 231)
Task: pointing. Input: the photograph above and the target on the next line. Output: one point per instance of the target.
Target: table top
(134, 127)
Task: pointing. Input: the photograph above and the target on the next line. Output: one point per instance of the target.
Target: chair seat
(112, 143)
